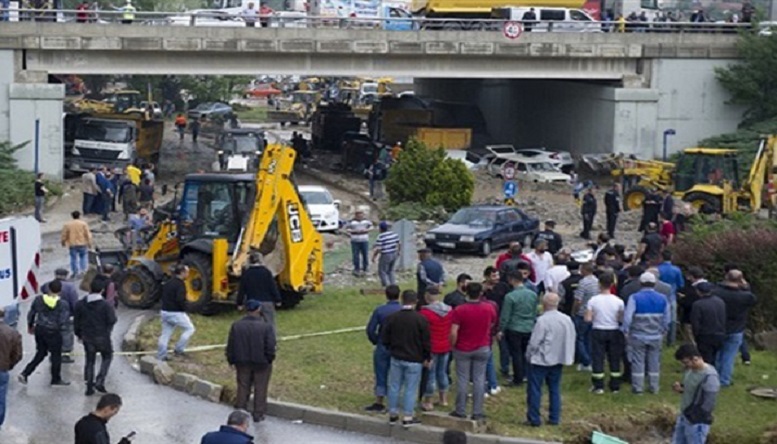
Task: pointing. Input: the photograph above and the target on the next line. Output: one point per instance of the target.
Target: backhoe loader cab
(700, 166)
(221, 219)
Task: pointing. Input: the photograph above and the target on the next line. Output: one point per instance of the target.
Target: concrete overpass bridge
(576, 91)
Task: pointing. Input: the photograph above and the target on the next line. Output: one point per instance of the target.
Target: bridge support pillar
(26, 96)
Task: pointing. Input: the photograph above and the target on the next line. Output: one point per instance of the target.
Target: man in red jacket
(438, 315)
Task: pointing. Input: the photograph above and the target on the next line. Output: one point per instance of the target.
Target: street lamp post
(667, 133)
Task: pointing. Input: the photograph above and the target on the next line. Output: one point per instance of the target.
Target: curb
(163, 374)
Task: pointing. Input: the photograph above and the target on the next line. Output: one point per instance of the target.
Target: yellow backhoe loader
(708, 178)
(220, 220)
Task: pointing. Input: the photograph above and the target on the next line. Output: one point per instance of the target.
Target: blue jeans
(438, 375)
(381, 359)
(360, 250)
(583, 341)
(491, 382)
(403, 374)
(78, 257)
(539, 375)
(727, 356)
(687, 433)
(4, 376)
(171, 320)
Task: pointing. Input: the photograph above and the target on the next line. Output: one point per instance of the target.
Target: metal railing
(220, 18)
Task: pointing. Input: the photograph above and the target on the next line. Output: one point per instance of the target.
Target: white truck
(19, 262)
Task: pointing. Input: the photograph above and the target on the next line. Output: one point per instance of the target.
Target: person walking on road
(180, 126)
(194, 127)
(235, 432)
(700, 388)
(174, 313)
(605, 312)
(612, 206)
(251, 348)
(429, 273)
(381, 358)
(708, 322)
(738, 302)
(40, 197)
(406, 336)
(46, 319)
(70, 295)
(94, 320)
(387, 247)
(588, 212)
(551, 347)
(359, 230)
(645, 322)
(92, 428)
(77, 237)
(437, 313)
(257, 283)
(473, 323)
(10, 355)
(516, 320)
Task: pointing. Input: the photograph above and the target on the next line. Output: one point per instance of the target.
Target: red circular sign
(513, 30)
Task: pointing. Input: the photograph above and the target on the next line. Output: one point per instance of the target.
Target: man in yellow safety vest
(128, 13)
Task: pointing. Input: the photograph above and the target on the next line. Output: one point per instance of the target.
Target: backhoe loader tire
(634, 198)
(199, 288)
(701, 200)
(137, 288)
(290, 299)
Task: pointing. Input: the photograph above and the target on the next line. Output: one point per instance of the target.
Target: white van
(550, 19)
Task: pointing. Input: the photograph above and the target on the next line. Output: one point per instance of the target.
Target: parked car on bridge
(206, 17)
(210, 110)
(262, 90)
(323, 209)
(482, 228)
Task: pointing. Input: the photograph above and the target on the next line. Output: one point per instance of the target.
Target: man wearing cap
(429, 272)
(387, 246)
(553, 239)
(69, 294)
(645, 321)
(708, 321)
(251, 352)
(257, 283)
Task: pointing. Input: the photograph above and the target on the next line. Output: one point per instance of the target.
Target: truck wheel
(138, 288)
(701, 200)
(290, 299)
(634, 198)
(199, 289)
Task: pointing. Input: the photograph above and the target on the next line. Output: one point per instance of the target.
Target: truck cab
(102, 142)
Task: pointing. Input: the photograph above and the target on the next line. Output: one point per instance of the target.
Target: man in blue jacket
(381, 358)
(232, 433)
(673, 276)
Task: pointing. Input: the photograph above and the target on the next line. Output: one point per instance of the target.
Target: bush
(17, 189)
(742, 240)
(425, 176)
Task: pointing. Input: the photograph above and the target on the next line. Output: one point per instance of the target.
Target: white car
(561, 159)
(323, 209)
(207, 17)
(471, 160)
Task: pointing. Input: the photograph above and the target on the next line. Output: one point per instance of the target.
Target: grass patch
(336, 372)
(257, 114)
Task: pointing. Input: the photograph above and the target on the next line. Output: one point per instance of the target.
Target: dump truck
(218, 220)
(330, 122)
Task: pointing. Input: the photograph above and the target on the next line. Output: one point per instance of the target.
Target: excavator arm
(761, 173)
(277, 199)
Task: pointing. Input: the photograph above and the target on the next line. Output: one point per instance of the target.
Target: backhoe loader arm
(761, 172)
(276, 195)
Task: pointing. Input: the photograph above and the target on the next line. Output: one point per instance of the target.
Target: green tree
(213, 88)
(753, 81)
(425, 176)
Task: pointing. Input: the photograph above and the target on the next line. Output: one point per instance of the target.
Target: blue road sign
(510, 189)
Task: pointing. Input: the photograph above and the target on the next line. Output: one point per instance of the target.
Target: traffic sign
(510, 189)
(508, 171)
(512, 30)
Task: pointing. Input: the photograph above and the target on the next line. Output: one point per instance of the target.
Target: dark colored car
(483, 228)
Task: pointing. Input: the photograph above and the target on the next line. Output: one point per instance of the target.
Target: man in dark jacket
(91, 429)
(70, 295)
(687, 297)
(94, 321)
(173, 313)
(708, 321)
(10, 355)
(251, 351)
(258, 283)
(612, 206)
(235, 432)
(458, 296)
(566, 290)
(429, 273)
(588, 211)
(46, 319)
(381, 359)
(406, 336)
(738, 303)
(553, 239)
(650, 209)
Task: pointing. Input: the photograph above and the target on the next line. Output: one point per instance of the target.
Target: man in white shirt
(605, 312)
(557, 273)
(359, 231)
(541, 262)
(249, 15)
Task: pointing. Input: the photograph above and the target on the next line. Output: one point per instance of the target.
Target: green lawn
(336, 372)
(256, 114)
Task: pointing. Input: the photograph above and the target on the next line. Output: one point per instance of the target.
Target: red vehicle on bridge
(262, 90)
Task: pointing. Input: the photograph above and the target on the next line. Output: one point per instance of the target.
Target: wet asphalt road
(37, 413)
